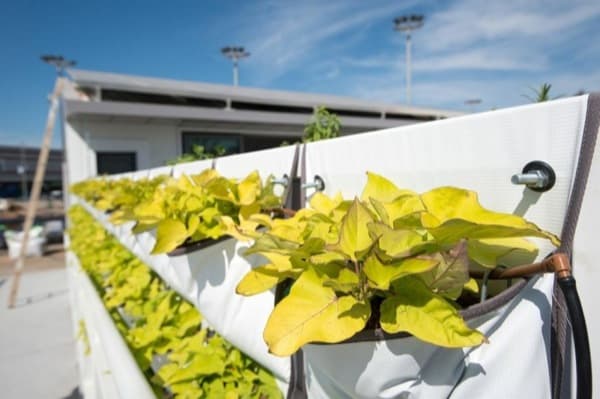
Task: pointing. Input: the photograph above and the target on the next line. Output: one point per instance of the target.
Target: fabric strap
(560, 335)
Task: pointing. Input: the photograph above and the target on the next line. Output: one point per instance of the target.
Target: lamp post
(406, 24)
(59, 62)
(472, 102)
(235, 54)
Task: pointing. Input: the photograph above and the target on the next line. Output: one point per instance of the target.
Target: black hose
(580, 337)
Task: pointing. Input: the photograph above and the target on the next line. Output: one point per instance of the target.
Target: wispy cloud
(470, 22)
(286, 36)
(466, 49)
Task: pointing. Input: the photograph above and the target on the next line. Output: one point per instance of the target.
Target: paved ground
(37, 347)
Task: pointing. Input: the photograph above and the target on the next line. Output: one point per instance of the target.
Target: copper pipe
(558, 263)
(283, 211)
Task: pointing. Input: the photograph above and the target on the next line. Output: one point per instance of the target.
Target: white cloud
(483, 58)
(466, 49)
(286, 36)
(502, 91)
(470, 22)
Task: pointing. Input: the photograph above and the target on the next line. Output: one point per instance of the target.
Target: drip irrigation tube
(580, 337)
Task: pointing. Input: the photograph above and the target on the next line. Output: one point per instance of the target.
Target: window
(115, 162)
(232, 143)
(256, 143)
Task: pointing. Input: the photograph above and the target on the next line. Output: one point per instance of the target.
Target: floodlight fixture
(235, 54)
(407, 24)
(59, 62)
(472, 103)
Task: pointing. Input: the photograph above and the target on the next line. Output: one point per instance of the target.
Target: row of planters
(181, 357)
(390, 263)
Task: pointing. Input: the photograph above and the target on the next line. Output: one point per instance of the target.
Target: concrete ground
(37, 344)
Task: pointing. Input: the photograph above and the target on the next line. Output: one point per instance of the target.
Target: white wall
(154, 144)
(77, 155)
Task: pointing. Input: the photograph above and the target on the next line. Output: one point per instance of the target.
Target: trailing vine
(181, 358)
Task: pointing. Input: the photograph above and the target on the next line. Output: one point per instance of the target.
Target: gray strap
(303, 175)
(584, 164)
(286, 198)
(561, 336)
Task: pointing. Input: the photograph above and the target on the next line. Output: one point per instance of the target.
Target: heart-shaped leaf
(418, 311)
(170, 234)
(313, 313)
(354, 233)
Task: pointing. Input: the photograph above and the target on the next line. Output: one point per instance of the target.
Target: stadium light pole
(235, 53)
(472, 103)
(407, 24)
(59, 62)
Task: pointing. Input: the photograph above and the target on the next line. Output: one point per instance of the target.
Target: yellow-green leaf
(381, 189)
(326, 257)
(202, 364)
(249, 189)
(278, 261)
(260, 279)
(261, 219)
(170, 234)
(344, 280)
(402, 206)
(416, 310)
(354, 234)
(149, 212)
(397, 243)
(192, 224)
(204, 177)
(472, 286)
(451, 272)
(244, 231)
(458, 214)
(381, 275)
(502, 251)
(313, 313)
(324, 204)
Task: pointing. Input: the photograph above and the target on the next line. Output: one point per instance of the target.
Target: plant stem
(283, 211)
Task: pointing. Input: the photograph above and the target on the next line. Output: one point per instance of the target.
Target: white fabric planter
(208, 278)
(514, 364)
(109, 371)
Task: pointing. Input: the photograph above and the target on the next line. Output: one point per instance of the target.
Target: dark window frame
(210, 135)
(100, 154)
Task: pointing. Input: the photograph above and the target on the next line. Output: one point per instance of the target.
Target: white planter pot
(35, 246)
(514, 364)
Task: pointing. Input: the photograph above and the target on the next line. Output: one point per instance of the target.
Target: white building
(117, 123)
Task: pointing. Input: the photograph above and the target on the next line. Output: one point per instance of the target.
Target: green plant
(83, 336)
(198, 153)
(157, 322)
(120, 197)
(186, 209)
(401, 257)
(541, 95)
(323, 125)
(202, 206)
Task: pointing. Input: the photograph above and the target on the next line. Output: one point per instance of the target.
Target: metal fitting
(537, 176)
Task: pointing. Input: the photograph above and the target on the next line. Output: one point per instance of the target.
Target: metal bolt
(532, 179)
(318, 184)
(284, 181)
(536, 175)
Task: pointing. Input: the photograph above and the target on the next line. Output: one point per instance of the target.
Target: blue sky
(467, 48)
